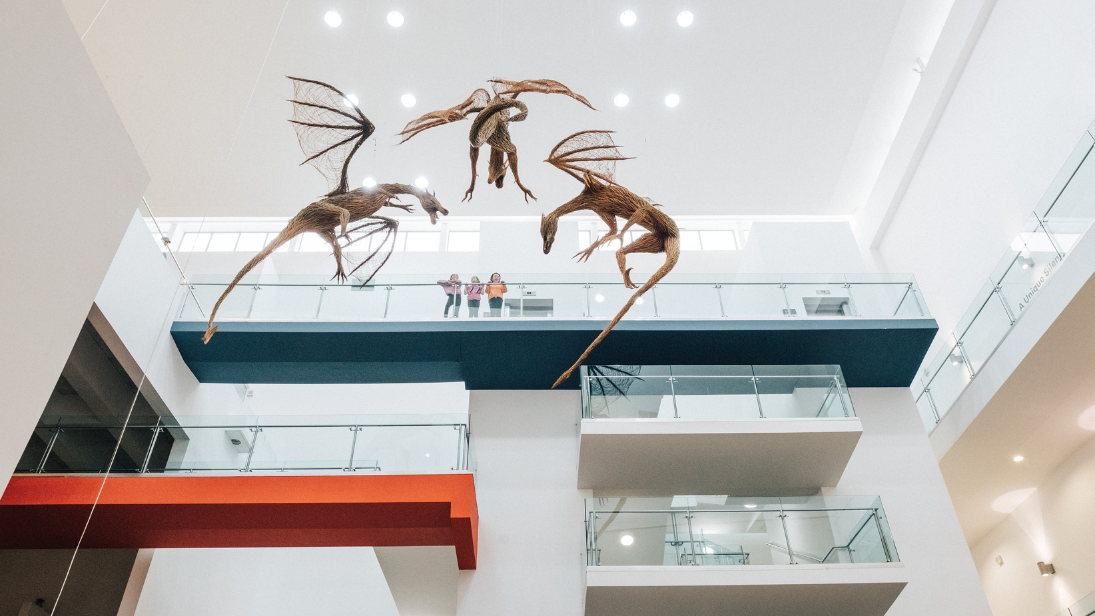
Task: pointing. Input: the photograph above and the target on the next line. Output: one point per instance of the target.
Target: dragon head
(431, 205)
(548, 227)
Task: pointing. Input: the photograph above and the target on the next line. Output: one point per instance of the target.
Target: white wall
(894, 460)
(801, 248)
(265, 582)
(139, 298)
(69, 180)
(1053, 525)
(1023, 101)
(531, 528)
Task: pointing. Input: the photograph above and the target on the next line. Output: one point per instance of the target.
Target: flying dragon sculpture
(330, 130)
(590, 157)
(491, 125)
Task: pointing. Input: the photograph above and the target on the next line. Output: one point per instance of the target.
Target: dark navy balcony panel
(532, 353)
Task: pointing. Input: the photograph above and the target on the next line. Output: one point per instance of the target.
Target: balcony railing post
(319, 306)
(998, 292)
(901, 301)
(251, 306)
(387, 299)
(151, 445)
(756, 391)
(882, 537)
(654, 297)
(353, 449)
(49, 449)
(851, 300)
(931, 403)
(786, 535)
(251, 450)
(691, 538)
(589, 308)
(718, 293)
(673, 395)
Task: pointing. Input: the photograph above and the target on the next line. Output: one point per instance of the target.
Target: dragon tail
(672, 253)
(286, 234)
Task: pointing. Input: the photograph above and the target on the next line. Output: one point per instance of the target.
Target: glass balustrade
(721, 531)
(714, 392)
(418, 444)
(1083, 607)
(1062, 216)
(598, 296)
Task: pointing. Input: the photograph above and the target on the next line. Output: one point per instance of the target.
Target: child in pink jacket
(474, 291)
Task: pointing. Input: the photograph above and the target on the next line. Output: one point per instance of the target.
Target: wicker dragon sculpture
(491, 125)
(330, 130)
(590, 157)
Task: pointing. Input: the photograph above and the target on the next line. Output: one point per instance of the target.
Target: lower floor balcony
(710, 554)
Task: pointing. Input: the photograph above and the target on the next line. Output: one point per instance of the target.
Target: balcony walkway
(531, 353)
(49, 512)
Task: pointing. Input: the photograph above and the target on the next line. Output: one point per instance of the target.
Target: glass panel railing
(599, 296)
(1063, 215)
(714, 392)
(721, 531)
(419, 444)
(1083, 607)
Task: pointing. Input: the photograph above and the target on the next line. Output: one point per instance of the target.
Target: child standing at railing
(495, 290)
(452, 289)
(474, 291)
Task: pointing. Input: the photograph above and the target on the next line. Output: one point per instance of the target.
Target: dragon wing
(505, 87)
(587, 151)
(474, 104)
(330, 129)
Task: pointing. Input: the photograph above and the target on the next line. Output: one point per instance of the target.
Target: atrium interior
(776, 308)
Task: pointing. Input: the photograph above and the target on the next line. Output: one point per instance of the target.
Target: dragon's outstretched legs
(648, 242)
(474, 159)
(332, 239)
(512, 157)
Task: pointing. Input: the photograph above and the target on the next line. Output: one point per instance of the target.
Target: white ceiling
(1043, 412)
(775, 95)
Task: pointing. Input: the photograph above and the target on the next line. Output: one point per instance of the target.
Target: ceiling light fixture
(956, 358)
(1017, 459)
(395, 19)
(421, 181)
(1046, 569)
(672, 100)
(684, 19)
(350, 100)
(628, 18)
(598, 297)
(333, 19)
(621, 100)
(368, 183)
(638, 300)
(408, 100)
(627, 539)
(1025, 262)
(750, 506)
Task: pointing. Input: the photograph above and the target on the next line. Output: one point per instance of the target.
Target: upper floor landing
(876, 327)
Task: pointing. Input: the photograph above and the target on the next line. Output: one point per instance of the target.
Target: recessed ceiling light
(408, 100)
(427, 455)
(599, 297)
(333, 19)
(684, 18)
(395, 19)
(350, 100)
(421, 181)
(1017, 459)
(628, 18)
(627, 539)
(639, 300)
(750, 506)
(672, 100)
(621, 100)
(368, 182)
